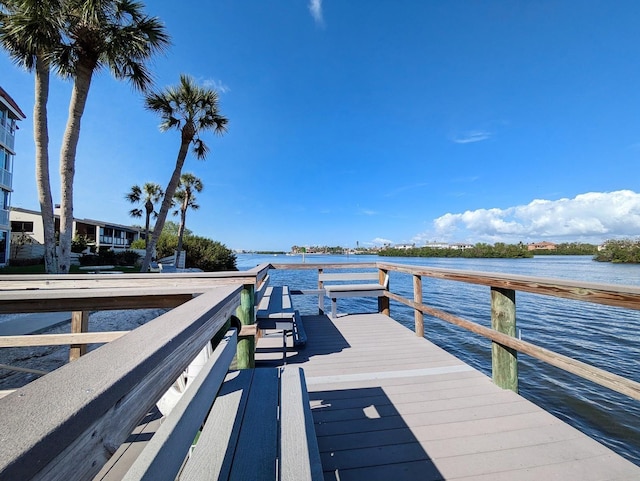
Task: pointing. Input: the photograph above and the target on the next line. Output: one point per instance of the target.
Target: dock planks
(389, 405)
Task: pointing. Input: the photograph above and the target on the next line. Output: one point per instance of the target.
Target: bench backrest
(165, 453)
(352, 276)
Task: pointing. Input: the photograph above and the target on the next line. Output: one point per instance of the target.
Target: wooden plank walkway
(389, 405)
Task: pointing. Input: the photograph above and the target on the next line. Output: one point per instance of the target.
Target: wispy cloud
(367, 212)
(315, 7)
(590, 217)
(473, 136)
(381, 241)
(404, 188)
(217, 85)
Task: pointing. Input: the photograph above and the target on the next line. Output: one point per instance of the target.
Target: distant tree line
(619, 251)
(481, 250)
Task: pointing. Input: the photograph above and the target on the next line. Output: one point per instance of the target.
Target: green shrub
(202, 253)
(79, 244)
(107, 257)
(137, 244)
(27, 262)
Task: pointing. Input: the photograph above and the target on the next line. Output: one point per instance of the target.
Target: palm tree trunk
(183, 222)
(188, 132)
(148, 206)
(67, 162)
(41, 139)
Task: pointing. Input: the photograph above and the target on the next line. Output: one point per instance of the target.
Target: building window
(3, 247)
(22, 226)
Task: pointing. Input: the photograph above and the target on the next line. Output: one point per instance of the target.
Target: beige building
(27, 224)
(541, 246)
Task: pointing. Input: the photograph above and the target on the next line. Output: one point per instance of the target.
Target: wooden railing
(503, 288)
(82, 293)
(67, 424)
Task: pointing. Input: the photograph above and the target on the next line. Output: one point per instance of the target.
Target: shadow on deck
(362, 436)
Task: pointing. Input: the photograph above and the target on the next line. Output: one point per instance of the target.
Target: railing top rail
(307, 266)
(617, 295)
(92, 404)
(98, 298)
(176, 279)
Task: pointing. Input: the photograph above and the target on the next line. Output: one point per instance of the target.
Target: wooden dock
(390, 405)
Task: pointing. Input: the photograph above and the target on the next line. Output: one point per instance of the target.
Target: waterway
(603, 336)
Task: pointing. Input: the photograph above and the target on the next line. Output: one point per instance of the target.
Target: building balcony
(5, 179)
(7, 137)
(4, 217)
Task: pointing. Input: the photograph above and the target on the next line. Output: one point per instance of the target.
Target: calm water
(603, 336)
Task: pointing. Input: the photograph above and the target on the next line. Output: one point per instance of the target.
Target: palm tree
(113, 34)
(31, 31)
(150, 194)
(190, 109)
(185, 195)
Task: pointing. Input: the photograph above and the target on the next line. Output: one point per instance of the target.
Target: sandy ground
(52, 357)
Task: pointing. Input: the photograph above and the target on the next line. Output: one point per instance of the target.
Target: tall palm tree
(190, 109)
(150, 194)
(113, 34)
(31, 31)
(185, 196)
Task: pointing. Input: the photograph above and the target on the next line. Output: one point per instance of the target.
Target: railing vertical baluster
(383, 302)
(79, 323)
(321, 294)
(503, 319)
(246, 313)
(417, 298)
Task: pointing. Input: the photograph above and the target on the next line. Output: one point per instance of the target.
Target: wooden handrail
(100, 398)
(584, 370)
(606, 294)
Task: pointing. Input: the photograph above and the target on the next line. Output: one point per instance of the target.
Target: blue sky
(379, 121)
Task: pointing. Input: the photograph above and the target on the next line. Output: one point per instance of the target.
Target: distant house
(437, 245)
(99, 234)
(541, 246)
(404, 246)
(461, 246)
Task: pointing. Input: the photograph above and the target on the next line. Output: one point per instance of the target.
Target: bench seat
(275, 311)
(252, 424)
(370, 288)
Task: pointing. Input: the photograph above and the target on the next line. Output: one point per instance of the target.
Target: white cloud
(217, 85)
(368, 212)
(473, 136)
(315, 7)
(590, 217)
(381, 241)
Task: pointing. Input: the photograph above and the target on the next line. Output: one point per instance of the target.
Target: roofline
(9, 102)
(99, 223)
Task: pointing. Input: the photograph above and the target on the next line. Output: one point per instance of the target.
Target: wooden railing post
(503, 319)
(383, 302)
(417, 298)
(321, 294)
(79, 323)
(245, 357)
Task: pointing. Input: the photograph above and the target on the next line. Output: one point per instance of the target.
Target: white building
(10, 113)
(99, 234)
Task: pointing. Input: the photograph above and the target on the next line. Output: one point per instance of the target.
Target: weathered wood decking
(389, 405)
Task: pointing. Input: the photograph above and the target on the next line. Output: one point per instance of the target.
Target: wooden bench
(371, 286)
(259, 427)
(275, 311)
